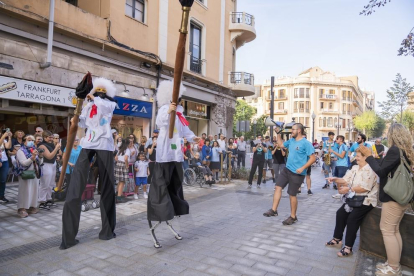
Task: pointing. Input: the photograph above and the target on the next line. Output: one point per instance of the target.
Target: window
(322, 105)
(282, 93)
(281, 106)
(344, 95)
(307, 93)
(301, 120)
(135, 9)
(301, 105)
(307, 121)
(307, 106)
(336, 122)
(195, 48)
(72, 2)
(330, 105)
(331, 91)
(330, 122)
(281, 119)
(321, 91)
(344, 107)
(324, 121)
(320, 122)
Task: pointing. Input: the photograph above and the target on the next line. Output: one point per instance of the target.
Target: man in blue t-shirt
(301, 156)
(329, 147)
(361, 138)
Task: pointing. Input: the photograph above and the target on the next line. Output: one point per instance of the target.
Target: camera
(40, 150)
(5, 130)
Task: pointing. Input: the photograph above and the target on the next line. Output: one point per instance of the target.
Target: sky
(294, 35)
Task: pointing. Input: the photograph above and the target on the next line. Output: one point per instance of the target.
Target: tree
(244, 112)
(379, 128)
(260, 127)
(407, 120)
(407, 43)
(366, 121)
(397, 99)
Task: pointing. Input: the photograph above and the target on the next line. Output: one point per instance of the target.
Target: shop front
(25, 105)
(198, 115)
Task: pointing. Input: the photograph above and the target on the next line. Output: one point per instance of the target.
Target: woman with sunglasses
(47, 180)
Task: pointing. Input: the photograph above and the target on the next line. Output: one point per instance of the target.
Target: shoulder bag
(400, 187)
(355, 201)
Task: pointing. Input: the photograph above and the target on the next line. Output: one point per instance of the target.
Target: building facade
(410, 105)
(131, 42)
(332, 101)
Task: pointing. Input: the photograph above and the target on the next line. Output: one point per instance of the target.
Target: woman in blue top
(215, 158)
(74, 154)
(206, 153)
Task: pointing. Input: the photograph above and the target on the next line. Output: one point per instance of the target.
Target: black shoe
(4, 200)
(44, 206)
(299, 192)
(50, 203)
(274, 180)
(270, 213)
(310, 192)
(290, 221)
(264, 181)
(326, 186)
(335, 188)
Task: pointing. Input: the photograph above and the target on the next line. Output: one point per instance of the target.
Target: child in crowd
(142, 172)
(208, 175)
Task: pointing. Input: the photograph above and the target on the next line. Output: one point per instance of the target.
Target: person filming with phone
(5, 144)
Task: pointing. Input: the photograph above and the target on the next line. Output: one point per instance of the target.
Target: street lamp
(313, 126)
(338, 124)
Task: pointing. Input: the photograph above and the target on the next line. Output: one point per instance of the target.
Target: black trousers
(352, 221)
(256, 164)
(166, 197)
(241, 158)
(151, 166)
(72, 208)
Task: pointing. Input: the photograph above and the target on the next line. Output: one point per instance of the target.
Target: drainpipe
(50, 36)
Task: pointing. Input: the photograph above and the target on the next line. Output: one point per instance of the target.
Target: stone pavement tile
(282, 256)
(316, 264)
(95, 263)
(145, 269)
(341, 271)
(144, 259)
(295, 266)
(301, 255)
(271, 268)
(238, 260)
(118, 270)
(69, 265)
(260, 258)
(101, 254)
(171, 267)
(274, 248)
(60, 272)
(211, 253)
(253, 250)
(191, 272)
(217, 262)
(16, 268)
(120, 261)
(294, 273)
(219, 271)
(232, 252)
(196, 256)
(247, 270)
(168, 257)
(44, 267)
(87, 271)
(227, 244)
(75, 256)
(193, 264)
(291, 246)
(320, 272)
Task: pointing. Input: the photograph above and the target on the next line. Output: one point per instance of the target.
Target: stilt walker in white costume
(96, 117)
(166, 198)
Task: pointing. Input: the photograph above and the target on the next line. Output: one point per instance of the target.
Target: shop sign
(35, 92)
(130, 107)
(196, 110)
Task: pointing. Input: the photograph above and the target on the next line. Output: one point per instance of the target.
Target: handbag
(28, 174)
(355, 201)
(400, 187)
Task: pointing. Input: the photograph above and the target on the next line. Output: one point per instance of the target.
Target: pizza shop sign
(35, 92)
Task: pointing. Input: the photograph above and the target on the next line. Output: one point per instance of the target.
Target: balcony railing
(280, 111)
(301, 95)
(268, 98)
(196, 64)
(301, 110)
(242, 17)
(241, 78)
(327, 97)
(346, 112)
(331, 111)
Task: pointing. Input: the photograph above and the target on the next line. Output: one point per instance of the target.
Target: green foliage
(407, 120)
(397, 97)
(366, 121)
(260, 127)
(244, 112)
(385, 142)
(379, 128)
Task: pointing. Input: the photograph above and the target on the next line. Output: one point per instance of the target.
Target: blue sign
(130, 107)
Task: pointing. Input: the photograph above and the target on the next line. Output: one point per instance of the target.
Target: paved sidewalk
(225, 234)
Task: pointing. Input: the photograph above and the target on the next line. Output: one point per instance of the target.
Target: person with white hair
(96, 117)
(166, 198)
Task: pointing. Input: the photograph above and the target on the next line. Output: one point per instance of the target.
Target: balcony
(327, 97)
(242, 28)
(301, 110)
(268, 98)
(196, 64)
(277, 111)
(344, 112)
(242, 83)
(329, 111)
(346, 99)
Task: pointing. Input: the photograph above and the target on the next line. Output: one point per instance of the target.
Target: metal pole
(338, 127)
(313, 130)
(50, 35)
(272, 102)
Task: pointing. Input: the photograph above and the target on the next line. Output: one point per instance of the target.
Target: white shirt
(222, 144)
(142, 167)
(98, 134)
(3, 153)
(132, 157)
(171, 150)
(121, 158)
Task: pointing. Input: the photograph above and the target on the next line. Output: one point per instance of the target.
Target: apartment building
(131, 42)
(411, 101)
(318, 99)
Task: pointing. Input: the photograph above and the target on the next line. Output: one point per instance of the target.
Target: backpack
(400, 187)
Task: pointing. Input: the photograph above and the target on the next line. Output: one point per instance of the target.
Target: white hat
(113, 131)
(105, 85)
(165, 90)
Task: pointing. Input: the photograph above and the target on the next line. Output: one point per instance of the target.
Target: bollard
(221, 167)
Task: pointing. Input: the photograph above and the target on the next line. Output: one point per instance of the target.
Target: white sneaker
(382, 265)
(387, 270)
(135, 196)
(145, 195)
(303, 185)
(337, 196)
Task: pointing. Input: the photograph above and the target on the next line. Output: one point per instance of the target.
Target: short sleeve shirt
(121, 158)
(259, 154)
(142, 167)
(299, 153)
(365, 178)
(342, 162)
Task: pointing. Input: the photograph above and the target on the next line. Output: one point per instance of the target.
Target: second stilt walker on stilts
(166, 198)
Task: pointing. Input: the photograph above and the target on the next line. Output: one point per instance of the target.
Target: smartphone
(60, 141)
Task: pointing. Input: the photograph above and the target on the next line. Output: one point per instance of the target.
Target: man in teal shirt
(301, 156)
(360, 140)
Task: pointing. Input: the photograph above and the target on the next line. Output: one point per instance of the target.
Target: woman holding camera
(47, 181)
(5, 144)
(28, 159)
